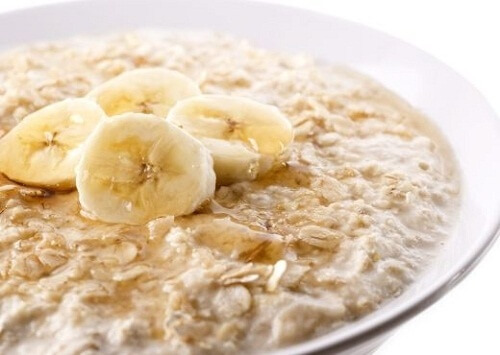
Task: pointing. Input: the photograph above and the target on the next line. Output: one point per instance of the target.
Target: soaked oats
(367, 192)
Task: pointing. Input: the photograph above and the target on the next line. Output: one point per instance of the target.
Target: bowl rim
(410, 307)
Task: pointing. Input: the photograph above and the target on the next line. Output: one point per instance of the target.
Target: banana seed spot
(148, 171)
(50, 138)
(231, 125)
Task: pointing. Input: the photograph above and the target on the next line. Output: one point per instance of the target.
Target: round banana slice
(138, 167)
(44, 148)
(148, 90)
(249, 126)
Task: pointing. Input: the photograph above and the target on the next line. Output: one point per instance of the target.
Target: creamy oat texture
(367, 194)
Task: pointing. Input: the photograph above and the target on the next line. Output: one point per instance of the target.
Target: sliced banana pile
(145, 144)
(246, 138)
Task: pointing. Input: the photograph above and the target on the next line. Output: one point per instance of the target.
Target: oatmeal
(357, 209)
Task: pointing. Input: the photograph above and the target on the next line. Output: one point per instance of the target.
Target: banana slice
(44, 148)
(138, 167)
(242, 125)
(148, 90)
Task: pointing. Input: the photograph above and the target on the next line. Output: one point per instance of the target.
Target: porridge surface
(367, 193)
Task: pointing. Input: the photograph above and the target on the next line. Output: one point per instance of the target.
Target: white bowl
(456, 107)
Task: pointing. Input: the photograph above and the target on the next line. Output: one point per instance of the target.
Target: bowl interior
(455, 106)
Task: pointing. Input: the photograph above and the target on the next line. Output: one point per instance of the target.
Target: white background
(465, 35)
